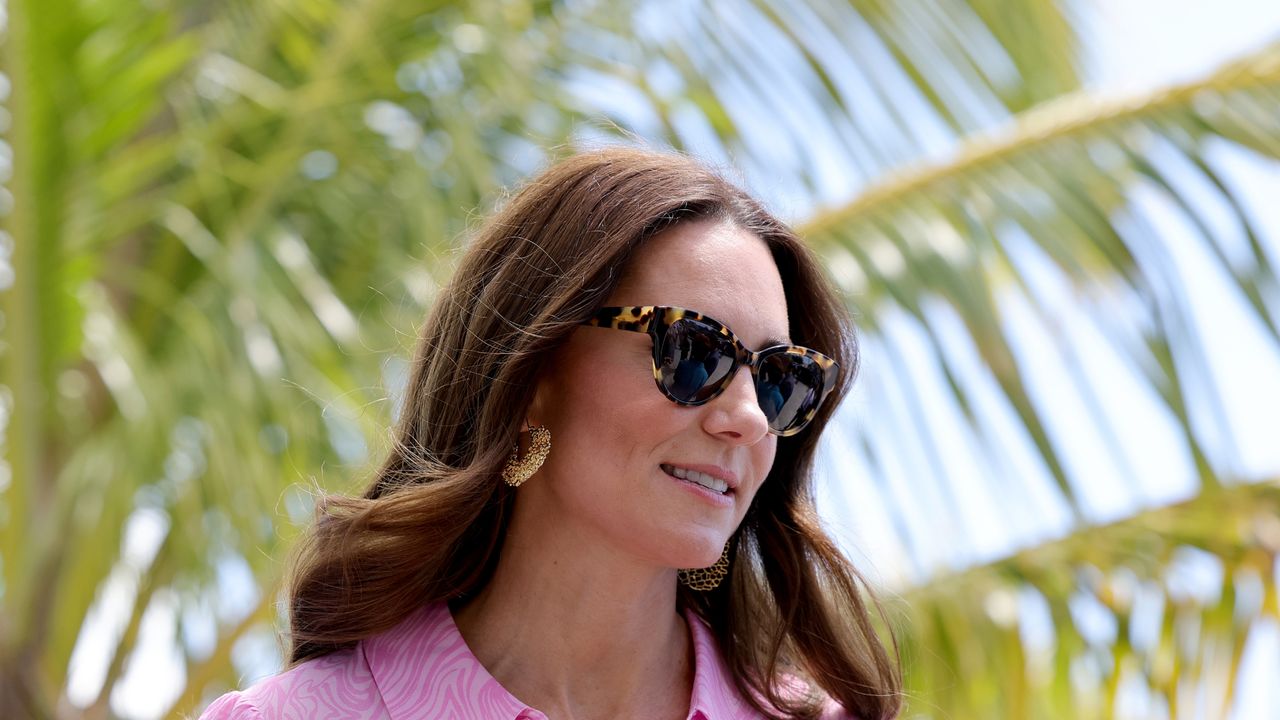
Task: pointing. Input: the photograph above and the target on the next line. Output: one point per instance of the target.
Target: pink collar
(424, 669)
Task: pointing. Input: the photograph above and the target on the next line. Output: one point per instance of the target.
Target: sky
(1137, 45)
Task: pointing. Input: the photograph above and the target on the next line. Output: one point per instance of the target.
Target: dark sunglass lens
(694, 359)
(788, 386)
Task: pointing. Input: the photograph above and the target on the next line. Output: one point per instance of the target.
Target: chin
(700, 550)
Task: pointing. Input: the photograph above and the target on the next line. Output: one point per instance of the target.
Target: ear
(544, 406)
(536, 413)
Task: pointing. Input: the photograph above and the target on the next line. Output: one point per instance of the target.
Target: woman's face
(613, 431)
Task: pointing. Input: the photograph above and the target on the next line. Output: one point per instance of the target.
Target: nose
(735, 413)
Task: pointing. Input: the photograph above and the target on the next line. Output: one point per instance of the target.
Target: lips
(706, 480)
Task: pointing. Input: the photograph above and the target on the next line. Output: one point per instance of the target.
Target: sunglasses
(695, 357)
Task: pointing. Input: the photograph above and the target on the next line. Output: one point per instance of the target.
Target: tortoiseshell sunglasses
(695, 358)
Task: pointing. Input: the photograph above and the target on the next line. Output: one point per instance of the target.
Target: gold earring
(705, 579)
(517, 470)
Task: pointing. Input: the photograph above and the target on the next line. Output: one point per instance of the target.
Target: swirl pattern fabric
(423, 670)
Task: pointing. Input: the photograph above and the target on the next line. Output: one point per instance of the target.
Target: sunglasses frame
(656, 320)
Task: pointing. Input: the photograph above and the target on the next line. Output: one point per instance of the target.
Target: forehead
(716, 268)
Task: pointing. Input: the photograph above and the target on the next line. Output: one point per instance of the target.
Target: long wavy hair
(431, 524)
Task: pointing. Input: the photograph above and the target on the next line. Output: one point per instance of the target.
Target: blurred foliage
(224, 219)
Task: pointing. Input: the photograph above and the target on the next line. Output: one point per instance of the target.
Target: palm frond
(1072, 238)
(1159, 606)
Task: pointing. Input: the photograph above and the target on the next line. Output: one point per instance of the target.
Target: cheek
(763, 456)
(609, 413)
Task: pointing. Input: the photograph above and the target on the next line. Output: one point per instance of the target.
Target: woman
(588, 511)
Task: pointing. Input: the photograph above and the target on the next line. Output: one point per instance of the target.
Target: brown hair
(431, 524)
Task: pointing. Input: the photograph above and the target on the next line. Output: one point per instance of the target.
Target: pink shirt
(422, 669)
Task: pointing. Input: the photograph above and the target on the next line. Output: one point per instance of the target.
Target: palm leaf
(1053, 631)
(949, 252)
(935, 260)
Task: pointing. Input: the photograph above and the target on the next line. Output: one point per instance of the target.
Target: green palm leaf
(942, 243)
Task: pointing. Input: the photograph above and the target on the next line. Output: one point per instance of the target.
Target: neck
(578, 630)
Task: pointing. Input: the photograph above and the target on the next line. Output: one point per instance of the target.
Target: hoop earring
(704, 579)
(517, 470)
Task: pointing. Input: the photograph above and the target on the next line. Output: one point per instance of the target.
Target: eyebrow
(766, 343)
(771, 341)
